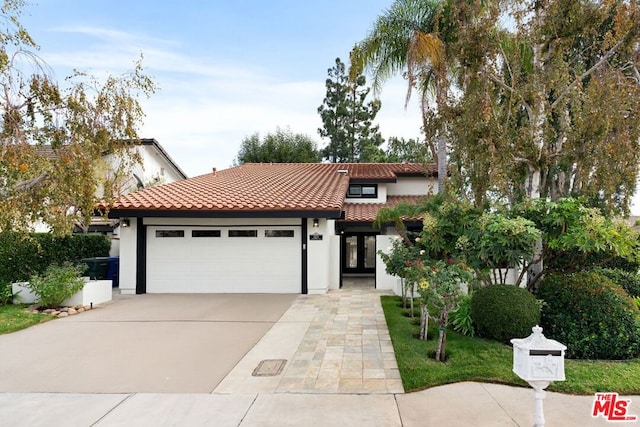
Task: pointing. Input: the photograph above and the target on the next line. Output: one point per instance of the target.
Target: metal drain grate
(269, 368)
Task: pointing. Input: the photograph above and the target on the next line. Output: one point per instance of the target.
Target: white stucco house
(264, 228)
(156, 167)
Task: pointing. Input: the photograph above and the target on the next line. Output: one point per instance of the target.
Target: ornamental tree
(441, 288)
(53, 137)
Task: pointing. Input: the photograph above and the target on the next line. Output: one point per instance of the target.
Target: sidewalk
(340, 371)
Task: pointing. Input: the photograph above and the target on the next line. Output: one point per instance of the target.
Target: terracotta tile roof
(366, 212)
(252, 187)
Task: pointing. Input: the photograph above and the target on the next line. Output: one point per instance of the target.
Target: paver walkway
(346, 349)
(333, 343)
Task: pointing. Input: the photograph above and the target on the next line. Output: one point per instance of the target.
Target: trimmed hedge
(503, 312)
(22, 256)
(591, 315)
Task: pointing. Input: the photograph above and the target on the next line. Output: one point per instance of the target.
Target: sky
(225, 69)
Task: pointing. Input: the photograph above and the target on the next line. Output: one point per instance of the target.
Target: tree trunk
(537, 116)
(411, 300)
(424, 322)
(404, 293)
(441, 351)
(442, 163)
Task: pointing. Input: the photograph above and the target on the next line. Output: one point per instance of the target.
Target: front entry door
(358, 253)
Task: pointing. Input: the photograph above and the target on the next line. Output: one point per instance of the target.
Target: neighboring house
(156, 167)
(264, 228)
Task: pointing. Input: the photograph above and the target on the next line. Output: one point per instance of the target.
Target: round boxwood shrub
(503, 312)
(630, 282)
(591, 315)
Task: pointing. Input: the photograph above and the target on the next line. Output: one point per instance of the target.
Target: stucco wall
(318, 256)
(128, 246)
(412, 186)
(384, 280)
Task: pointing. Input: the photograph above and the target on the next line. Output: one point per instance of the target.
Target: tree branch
(24, 185)
(595, 66)
(508, 88)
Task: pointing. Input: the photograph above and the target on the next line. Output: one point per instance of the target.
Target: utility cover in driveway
(269, 368)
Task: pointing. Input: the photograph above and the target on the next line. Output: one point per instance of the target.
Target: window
(169, 233)
(205, 233)
(243, 233)
(369, 191)
(278, 233)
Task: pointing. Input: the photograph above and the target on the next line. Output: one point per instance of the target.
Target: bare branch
(508, 88)
(30, 183)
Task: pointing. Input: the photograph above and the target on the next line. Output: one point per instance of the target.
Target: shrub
(57, 284)
(6, 293)
(630, 282)
(503, 312)
(591, 315)
(24, 255)
(559, 261)
(461, 318)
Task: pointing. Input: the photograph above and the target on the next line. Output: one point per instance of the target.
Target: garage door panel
(224, 264)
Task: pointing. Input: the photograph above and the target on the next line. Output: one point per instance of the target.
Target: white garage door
(260, 259)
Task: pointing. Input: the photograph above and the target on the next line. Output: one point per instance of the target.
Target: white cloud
(206, 107)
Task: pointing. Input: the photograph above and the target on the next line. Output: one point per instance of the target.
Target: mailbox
(537, 358)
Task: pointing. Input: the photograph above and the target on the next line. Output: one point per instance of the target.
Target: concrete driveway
(154, 343)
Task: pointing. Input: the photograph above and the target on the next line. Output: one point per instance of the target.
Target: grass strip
(481, 360)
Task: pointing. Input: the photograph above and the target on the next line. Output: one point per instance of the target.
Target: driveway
(155, 343)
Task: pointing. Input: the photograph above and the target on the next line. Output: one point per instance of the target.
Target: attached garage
(227, 259)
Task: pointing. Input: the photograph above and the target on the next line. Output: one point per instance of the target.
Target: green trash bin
(97, 267)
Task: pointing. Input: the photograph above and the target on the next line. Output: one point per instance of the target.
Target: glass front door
(358, 253)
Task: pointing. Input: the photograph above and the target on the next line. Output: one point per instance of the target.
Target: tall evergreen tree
(348, 119)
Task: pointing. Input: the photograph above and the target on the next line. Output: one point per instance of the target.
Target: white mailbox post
(539, 361)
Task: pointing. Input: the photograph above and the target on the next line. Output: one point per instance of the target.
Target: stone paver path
(346, 349)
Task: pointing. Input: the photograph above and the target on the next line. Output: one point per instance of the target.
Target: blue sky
(225, 69)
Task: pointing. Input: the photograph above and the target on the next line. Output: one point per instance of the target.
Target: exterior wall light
(316, 223)
(126, 222)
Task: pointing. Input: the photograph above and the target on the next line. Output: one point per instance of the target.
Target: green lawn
(477, 359)
(14, 317)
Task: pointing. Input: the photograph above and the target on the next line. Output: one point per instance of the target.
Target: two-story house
(264, 228)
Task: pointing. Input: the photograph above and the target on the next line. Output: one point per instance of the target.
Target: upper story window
(366, 191)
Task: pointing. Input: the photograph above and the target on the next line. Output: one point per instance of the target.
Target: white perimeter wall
(384, 280)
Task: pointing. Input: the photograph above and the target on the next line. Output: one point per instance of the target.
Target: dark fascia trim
(304, 261)
(371, 180)
(341, 225)
(156, 144)
(141, 257)
(417, 174)
(120, 213)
